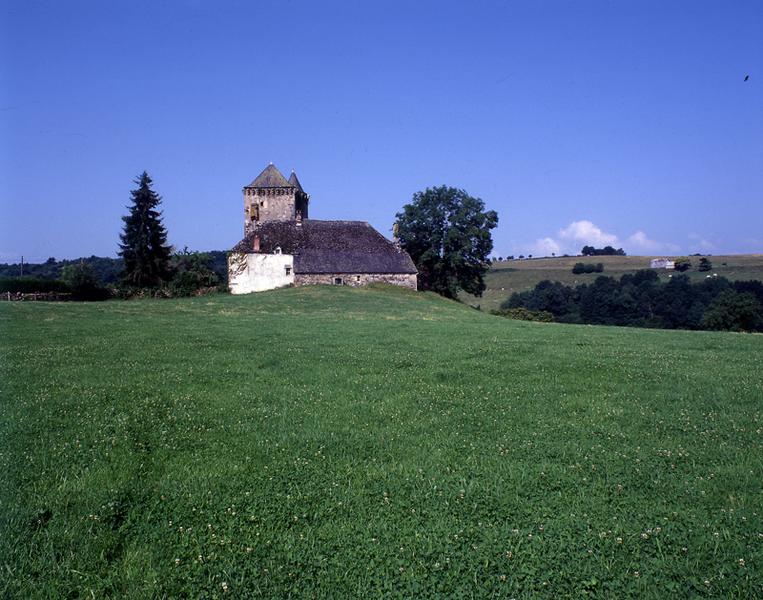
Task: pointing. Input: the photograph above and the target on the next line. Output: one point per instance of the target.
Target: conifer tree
(144, 247)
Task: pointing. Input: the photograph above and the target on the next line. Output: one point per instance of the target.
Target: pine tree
(144, 247)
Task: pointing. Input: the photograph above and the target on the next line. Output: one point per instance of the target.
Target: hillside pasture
(334, 442)
(506, 277)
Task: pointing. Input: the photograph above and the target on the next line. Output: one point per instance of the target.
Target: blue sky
(579, 122)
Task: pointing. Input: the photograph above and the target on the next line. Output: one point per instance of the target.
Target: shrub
(192, 273)
(30, 285)
(81, 280)
(587, 268)
(524, 314)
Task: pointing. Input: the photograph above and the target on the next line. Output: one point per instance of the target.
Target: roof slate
(330, 247)
(270, 177)
(295, 182)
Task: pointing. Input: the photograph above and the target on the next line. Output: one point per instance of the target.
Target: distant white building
(662, 263)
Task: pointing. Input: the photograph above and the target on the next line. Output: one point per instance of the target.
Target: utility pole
(21, 268)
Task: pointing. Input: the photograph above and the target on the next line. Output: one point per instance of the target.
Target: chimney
(256, 243)
(395, 239)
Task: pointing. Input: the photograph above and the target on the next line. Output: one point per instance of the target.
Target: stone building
(281, 246)
(662, 263)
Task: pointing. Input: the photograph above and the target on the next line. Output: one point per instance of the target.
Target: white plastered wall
(259, 272)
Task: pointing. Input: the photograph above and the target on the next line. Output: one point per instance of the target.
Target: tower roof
(270, 177)
(295, 182)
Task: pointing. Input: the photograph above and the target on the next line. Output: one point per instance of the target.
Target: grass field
(331, 442)
(507, 277)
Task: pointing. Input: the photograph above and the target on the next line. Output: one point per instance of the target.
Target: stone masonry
(356, 279)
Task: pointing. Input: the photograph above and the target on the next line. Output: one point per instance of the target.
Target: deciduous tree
(734, 311)
(682, 263)
(447, 233)
(82, 281)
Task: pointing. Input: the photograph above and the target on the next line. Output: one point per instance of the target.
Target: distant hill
(507, 277)
(106, 269)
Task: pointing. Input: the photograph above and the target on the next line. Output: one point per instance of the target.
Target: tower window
(288, 270)
(277, 250)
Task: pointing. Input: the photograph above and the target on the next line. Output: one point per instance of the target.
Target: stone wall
(259, 272)
(356, 279)
(268, 204)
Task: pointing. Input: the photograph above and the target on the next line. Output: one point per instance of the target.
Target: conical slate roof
(270, 178)
(295, 182)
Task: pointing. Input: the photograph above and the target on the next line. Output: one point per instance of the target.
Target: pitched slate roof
(295, 182)
(330, 247)
(270, 177)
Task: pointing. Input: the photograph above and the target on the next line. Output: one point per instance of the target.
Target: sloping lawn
(330, 442)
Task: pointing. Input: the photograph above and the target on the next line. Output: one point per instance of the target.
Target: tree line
(641, 300)
(107, 270)
(605, 251)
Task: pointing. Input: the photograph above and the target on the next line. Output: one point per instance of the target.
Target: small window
(337, 281)
(357, 277)
(288, 270)
(277, 250)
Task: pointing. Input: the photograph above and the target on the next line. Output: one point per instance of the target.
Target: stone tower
(270, 197)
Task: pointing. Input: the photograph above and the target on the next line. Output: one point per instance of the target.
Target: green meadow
(506, 277)
(333, 442)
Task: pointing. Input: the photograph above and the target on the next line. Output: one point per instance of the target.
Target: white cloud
(700, 243)
(639, 243)
(587, 233)
(577, 234)
(546, 247)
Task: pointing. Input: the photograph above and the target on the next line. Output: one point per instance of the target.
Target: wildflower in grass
(177, 562)
(741, 562)
(225, 586)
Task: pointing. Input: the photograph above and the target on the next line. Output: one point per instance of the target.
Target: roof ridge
(336, 221)
(294, 180)
(270, 177)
